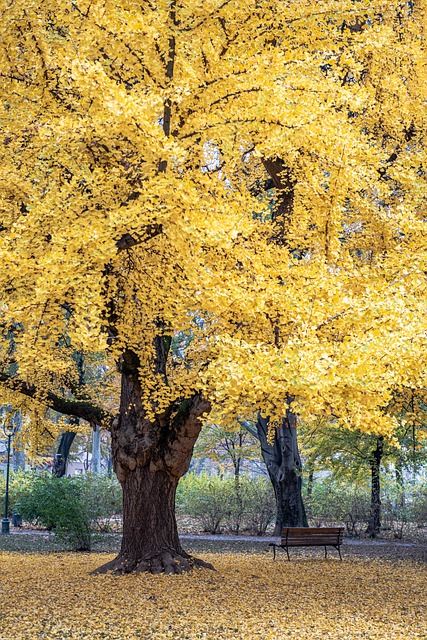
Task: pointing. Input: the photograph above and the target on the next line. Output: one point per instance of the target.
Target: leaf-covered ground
(51, 596)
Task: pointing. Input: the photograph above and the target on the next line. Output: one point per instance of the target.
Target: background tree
(62, 453)
(352, 235)
(230, 449)
(290, 178)
(18, 454)
(356, 456)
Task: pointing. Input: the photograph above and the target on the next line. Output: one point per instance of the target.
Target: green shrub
(206, 498)
(103, 499)
(419, 504)
(397, 507)
(224, 504)
(59, 505)
(334, 502)
(19, 482)
(403, 509)
(71, 507)
(260, 509)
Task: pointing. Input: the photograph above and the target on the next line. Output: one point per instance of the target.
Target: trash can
(16, 516)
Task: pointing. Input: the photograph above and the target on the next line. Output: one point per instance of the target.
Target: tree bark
(284, 183)
(283, 464)
(62, 453)
(149, 457)
(374, 524)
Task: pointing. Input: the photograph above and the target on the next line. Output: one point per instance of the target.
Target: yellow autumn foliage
(248, 597)
(133, 134)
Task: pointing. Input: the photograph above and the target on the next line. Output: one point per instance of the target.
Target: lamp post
(9, 431)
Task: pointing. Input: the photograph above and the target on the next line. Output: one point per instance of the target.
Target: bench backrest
(312, 536)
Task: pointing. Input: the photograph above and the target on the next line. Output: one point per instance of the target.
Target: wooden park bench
(310, 537)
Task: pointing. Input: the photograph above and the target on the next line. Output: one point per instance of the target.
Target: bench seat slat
(324, 534)
(313, 529)
(311, 543)
(301, 539)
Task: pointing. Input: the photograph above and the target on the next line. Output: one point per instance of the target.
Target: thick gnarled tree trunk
(150, 456)
(283, 464)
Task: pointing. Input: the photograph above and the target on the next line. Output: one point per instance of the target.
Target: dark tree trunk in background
(62, 453)
(310, 483)
(149, 457)
(283, 464)
(282, 457)
(400, 483)
(374, 524)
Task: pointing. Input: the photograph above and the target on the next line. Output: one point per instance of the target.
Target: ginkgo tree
(397, 135)
(135, 137)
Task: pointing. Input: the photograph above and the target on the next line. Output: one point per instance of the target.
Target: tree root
(165, 562)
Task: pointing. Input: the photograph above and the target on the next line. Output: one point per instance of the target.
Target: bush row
(224, 503)
(76, 508)
(333, 502)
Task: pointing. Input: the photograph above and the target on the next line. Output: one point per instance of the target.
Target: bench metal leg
(286, 548)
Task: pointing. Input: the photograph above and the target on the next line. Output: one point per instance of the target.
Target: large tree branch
(127, 240)
(79, 408)
(284, 183)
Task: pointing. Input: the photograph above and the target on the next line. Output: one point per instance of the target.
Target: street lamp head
(8, 429)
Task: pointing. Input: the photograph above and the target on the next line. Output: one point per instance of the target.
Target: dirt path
(36, 540)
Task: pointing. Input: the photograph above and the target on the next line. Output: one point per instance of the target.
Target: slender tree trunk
(283, 464)
(374, 524)
(62, 453)
(238, 491)
(400, 483)
(310, 483)
(150, 456)
(110, 466)
(96, 450)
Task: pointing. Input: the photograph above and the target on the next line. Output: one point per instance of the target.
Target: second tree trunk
(284, 468)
